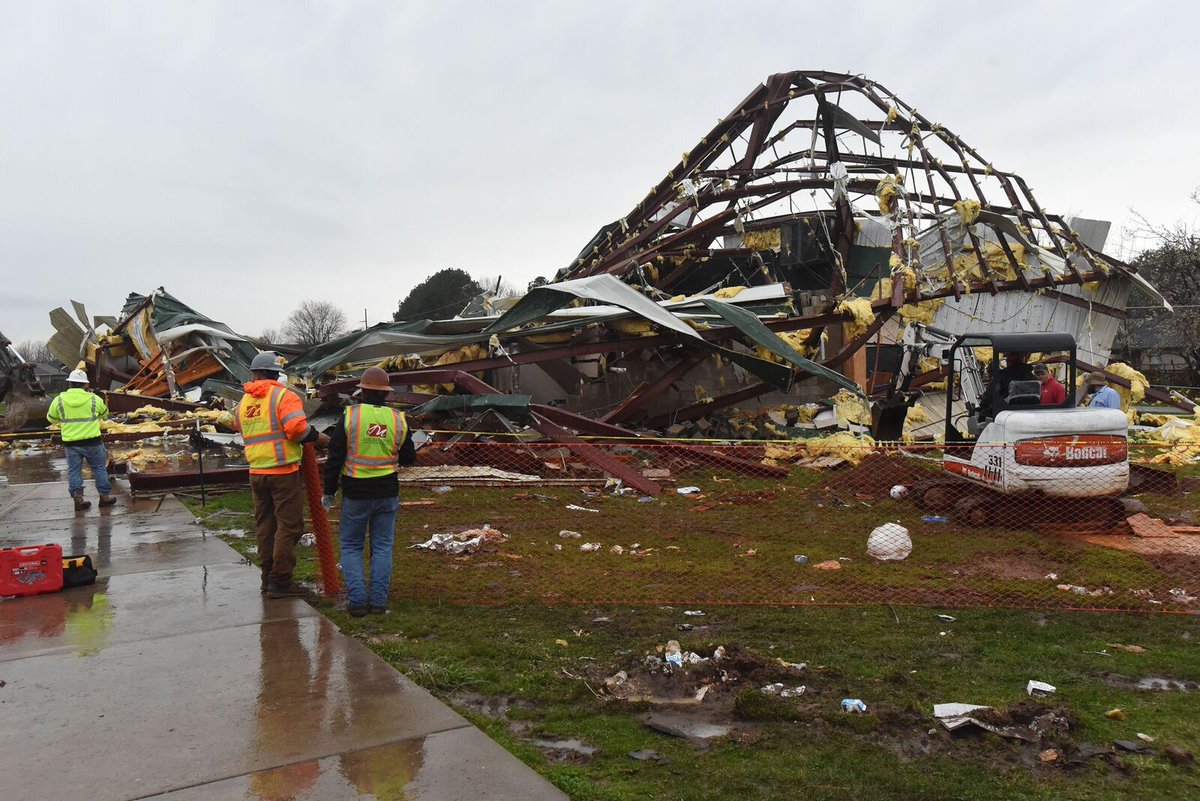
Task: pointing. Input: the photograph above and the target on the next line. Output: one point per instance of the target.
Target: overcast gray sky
(250, 155)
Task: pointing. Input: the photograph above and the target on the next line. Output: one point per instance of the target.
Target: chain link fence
(1072, 522)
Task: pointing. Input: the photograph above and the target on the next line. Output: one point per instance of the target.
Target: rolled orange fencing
(320, 521)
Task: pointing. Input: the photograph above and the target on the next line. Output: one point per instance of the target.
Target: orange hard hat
(375, 378)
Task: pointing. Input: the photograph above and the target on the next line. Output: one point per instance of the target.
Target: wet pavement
(173, 677)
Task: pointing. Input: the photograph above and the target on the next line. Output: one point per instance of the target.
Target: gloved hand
(327, 501)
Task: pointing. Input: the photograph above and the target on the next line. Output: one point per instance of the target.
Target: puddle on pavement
(42, 462)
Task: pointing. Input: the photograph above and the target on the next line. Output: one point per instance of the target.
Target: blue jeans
(379, 514)
(96, 459)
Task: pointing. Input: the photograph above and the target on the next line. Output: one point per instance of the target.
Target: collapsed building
(775, 265)
(159, 349)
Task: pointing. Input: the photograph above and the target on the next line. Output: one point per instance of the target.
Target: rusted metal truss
(832, 186)
(807, 146)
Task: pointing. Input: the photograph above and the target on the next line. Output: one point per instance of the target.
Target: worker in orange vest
(364, 452)
(274, 429)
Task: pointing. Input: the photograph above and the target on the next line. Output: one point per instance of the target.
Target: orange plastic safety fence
(320, 522)
(1074, 522)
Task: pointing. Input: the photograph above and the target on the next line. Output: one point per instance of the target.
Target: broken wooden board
(1143, 525)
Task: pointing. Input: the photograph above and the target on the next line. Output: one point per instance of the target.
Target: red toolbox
(31, 569)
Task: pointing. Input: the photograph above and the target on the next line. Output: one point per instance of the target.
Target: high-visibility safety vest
(79, 412)
(267, 445)
(374, 435)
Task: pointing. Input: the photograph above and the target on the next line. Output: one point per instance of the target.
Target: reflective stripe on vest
(266, 443)
(84, 425)
(374, 435)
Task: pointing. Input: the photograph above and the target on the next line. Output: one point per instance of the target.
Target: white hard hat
(77, 377)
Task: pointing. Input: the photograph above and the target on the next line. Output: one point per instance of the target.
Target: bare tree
(499, 288)
(1172, 265)
(269, 336)
(314, 322)
(36, 352)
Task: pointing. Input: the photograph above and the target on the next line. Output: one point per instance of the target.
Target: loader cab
(990, 373)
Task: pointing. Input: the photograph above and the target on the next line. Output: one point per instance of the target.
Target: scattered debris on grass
(649, 755)
(854, 705)
(470, 541)
(889, 542)
(1039, 688)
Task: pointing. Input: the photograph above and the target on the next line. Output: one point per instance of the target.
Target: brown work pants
(278, 521)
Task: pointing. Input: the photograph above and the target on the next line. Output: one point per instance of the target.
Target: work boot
(80, 503)
(283, 588)
(107, 500)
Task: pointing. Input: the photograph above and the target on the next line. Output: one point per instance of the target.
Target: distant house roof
(47, 369)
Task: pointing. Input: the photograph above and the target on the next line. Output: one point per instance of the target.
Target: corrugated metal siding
(1023, 311)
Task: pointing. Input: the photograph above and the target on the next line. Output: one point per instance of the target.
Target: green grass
(900, 669)
(899, 662)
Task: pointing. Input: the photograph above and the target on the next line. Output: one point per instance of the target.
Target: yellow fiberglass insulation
(466, 353)
(113, 427)
(967, 209)
(770, 239)
(887, 191)
(861, 314)
(966, 265)
(916, 415)
(1178, 430)
(844, 444)
(728, 292)
(782, 453)
(928, 364)
(1138, 384)
(149, 411)
(799, 340)
(983, 355)
(922, 312)
(850, 408)
(632, 328)
(1184, 435)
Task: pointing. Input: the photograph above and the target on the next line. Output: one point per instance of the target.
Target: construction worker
(364, 452)
(1053, 393)
(79, 412)
(1100, 394)
(274, 428)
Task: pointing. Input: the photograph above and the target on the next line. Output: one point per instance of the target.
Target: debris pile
(459, 543)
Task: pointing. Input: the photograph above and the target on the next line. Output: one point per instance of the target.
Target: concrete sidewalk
(172, 677)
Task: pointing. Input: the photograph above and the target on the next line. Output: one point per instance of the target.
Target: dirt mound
(878, 473)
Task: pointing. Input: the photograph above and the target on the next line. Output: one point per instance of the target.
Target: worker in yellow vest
(364, 452)
(79, 412)
(274, 429)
